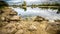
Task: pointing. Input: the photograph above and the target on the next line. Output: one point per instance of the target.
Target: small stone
(1, 11)
(9, 31)
(19, 32)
(2, 18)
(13, 30)
(13, 13)
(10, 28)
(15, 18)
(38, 18)
(51, 21)
(19, 26)
(32, 28)
(57, 20)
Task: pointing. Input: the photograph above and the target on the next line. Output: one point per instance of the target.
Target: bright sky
(30, 1)
(33, 0)
(11, 2)
(14, 0)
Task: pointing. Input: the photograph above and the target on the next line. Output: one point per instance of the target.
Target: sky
(41, 1)
(31, 1)
(11, 2)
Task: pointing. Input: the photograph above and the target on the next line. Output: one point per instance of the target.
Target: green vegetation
(24, 6)
(3, 4)
(48, 4)
(33, 6)
(43, 6)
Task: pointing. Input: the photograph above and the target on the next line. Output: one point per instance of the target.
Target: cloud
(31, 1)
(11, 2)
(41, 1)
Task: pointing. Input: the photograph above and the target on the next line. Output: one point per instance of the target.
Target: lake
(46, 13)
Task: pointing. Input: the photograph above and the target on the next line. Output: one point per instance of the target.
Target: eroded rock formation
(11, 23)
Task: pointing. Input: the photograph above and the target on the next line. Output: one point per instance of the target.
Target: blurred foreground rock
(11, 23)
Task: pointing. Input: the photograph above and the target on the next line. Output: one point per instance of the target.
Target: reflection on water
(58, 11)
(46, 13)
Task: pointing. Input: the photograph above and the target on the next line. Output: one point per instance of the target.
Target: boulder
(57, 20)
(32, 28)
(53, 28)
(51, 21)
(13, 13)
(3, 18)
(20, 26)
(39, 19)
(3, 24)
(8, 31)
(15, 18)
(9, 28)
(1, 11)
(19, 32)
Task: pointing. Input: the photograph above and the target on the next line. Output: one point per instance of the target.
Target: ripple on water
(46, 13)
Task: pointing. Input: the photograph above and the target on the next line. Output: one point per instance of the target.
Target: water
(46, 13)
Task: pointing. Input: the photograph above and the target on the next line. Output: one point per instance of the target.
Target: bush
(3, 4)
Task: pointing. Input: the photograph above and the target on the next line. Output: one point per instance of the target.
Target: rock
(51, 21)
(15, 18)
(13, 24)
(1, 11)
(7, 14)
(20, 26)
(13, 13)
(10, 28)
(39, 19)
(57, 20)
(8, 31)
(53, 28)
(19, 32)
(3, 24)
(3, 18)
(32, 28)
(10, 25)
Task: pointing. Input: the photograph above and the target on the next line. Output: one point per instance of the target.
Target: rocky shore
(11, 23)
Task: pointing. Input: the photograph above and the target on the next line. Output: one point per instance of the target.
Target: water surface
(46, 13)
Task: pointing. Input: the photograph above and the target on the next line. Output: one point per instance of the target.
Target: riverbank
(49, 7)
(11, 23)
